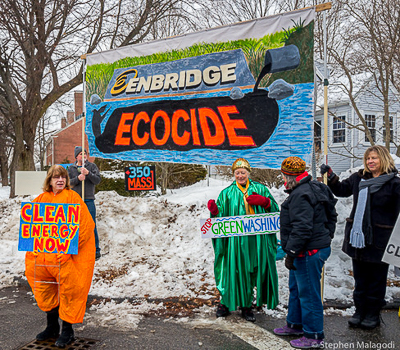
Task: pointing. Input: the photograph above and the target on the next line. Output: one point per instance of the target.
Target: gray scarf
(365, 188)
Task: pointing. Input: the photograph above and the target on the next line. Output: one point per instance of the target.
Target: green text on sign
(243, 225)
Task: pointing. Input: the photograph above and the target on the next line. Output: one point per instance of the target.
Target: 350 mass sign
(140, 178)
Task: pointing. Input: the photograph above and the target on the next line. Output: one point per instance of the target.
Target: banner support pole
(326, 83)
(83, 120)
(323, 7)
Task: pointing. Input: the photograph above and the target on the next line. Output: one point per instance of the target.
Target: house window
(370, 121)
(391, 129)
(317, 136)
(339, 129)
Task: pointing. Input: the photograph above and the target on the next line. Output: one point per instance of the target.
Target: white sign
(29, 182)
(392, 251)
(243, 225)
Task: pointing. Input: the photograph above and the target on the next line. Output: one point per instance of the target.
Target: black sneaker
(222, 311)
(98, 255)
(248, 315)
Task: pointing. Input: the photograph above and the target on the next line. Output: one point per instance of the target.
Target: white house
(346, 144)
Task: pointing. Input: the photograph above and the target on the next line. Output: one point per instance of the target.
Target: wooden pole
(326, 83)
(83, 123)
(323, 7)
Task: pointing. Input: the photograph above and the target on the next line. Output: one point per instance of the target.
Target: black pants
(370, 284)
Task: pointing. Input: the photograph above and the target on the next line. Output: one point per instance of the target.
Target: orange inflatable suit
(75, 274)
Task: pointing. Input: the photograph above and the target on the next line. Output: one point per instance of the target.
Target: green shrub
(168, 175)
(117, 185)
(66, 161)
(113, 165)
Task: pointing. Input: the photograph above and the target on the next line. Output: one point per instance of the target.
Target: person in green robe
(244, 262)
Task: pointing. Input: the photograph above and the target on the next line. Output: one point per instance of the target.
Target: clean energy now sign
(243, 225)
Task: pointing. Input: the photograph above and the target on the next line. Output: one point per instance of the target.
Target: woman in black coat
(376, 195)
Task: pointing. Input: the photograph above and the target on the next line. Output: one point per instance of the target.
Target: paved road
(21, 320)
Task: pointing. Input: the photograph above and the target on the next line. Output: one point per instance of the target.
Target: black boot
(67, 335)
(248, 315)
(53, 327)
(222, 311)
(372, 313)
(355, 320)
(359, 315)
(371, 320)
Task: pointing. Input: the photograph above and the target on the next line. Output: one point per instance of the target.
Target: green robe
(242, 263)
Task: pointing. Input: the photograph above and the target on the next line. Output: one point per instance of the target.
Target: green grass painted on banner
(99, 75)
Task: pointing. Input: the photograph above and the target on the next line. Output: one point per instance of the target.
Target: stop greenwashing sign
(243, 225)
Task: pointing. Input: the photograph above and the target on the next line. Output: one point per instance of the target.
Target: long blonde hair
(55, 170)
(387, 162)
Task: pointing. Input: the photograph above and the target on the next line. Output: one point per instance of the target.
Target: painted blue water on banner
(293, 136)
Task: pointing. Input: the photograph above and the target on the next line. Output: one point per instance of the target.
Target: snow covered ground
(153, 254)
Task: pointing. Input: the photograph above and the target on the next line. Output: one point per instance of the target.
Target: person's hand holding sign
(62, 258)
(256, 199)
(212, 207)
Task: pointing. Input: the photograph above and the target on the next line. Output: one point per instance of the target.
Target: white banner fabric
(256, 28)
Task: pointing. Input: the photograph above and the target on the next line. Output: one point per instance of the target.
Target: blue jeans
(305, 309)
(92, 210)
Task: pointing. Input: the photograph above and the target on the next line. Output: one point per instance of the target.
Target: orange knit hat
(293, 166)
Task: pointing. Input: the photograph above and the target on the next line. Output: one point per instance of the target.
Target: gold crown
(241, 163)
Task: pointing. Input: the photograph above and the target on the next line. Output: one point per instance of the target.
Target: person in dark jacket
(308, 221)
(376, 205)
(83, 170)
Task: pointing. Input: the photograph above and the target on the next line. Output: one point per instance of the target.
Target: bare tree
(220, 12)
(170, 175)
(226, 12)
(396, 71)
(40, 47)
(367, 40)
(6, 145)
(45, 128)
(292, 5)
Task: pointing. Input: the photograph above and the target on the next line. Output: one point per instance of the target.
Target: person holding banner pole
(308, 221)
(376, 206)
(84, 176)
(61, 282)
(244, 262)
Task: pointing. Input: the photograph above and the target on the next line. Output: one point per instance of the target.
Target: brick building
(61, 144)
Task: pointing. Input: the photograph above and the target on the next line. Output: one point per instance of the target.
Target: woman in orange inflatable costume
(74, 272)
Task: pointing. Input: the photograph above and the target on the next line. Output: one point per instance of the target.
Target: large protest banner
(49, 227)
(243, 90)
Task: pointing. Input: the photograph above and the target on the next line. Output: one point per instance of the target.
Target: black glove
(327, 169)
(289, 263)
